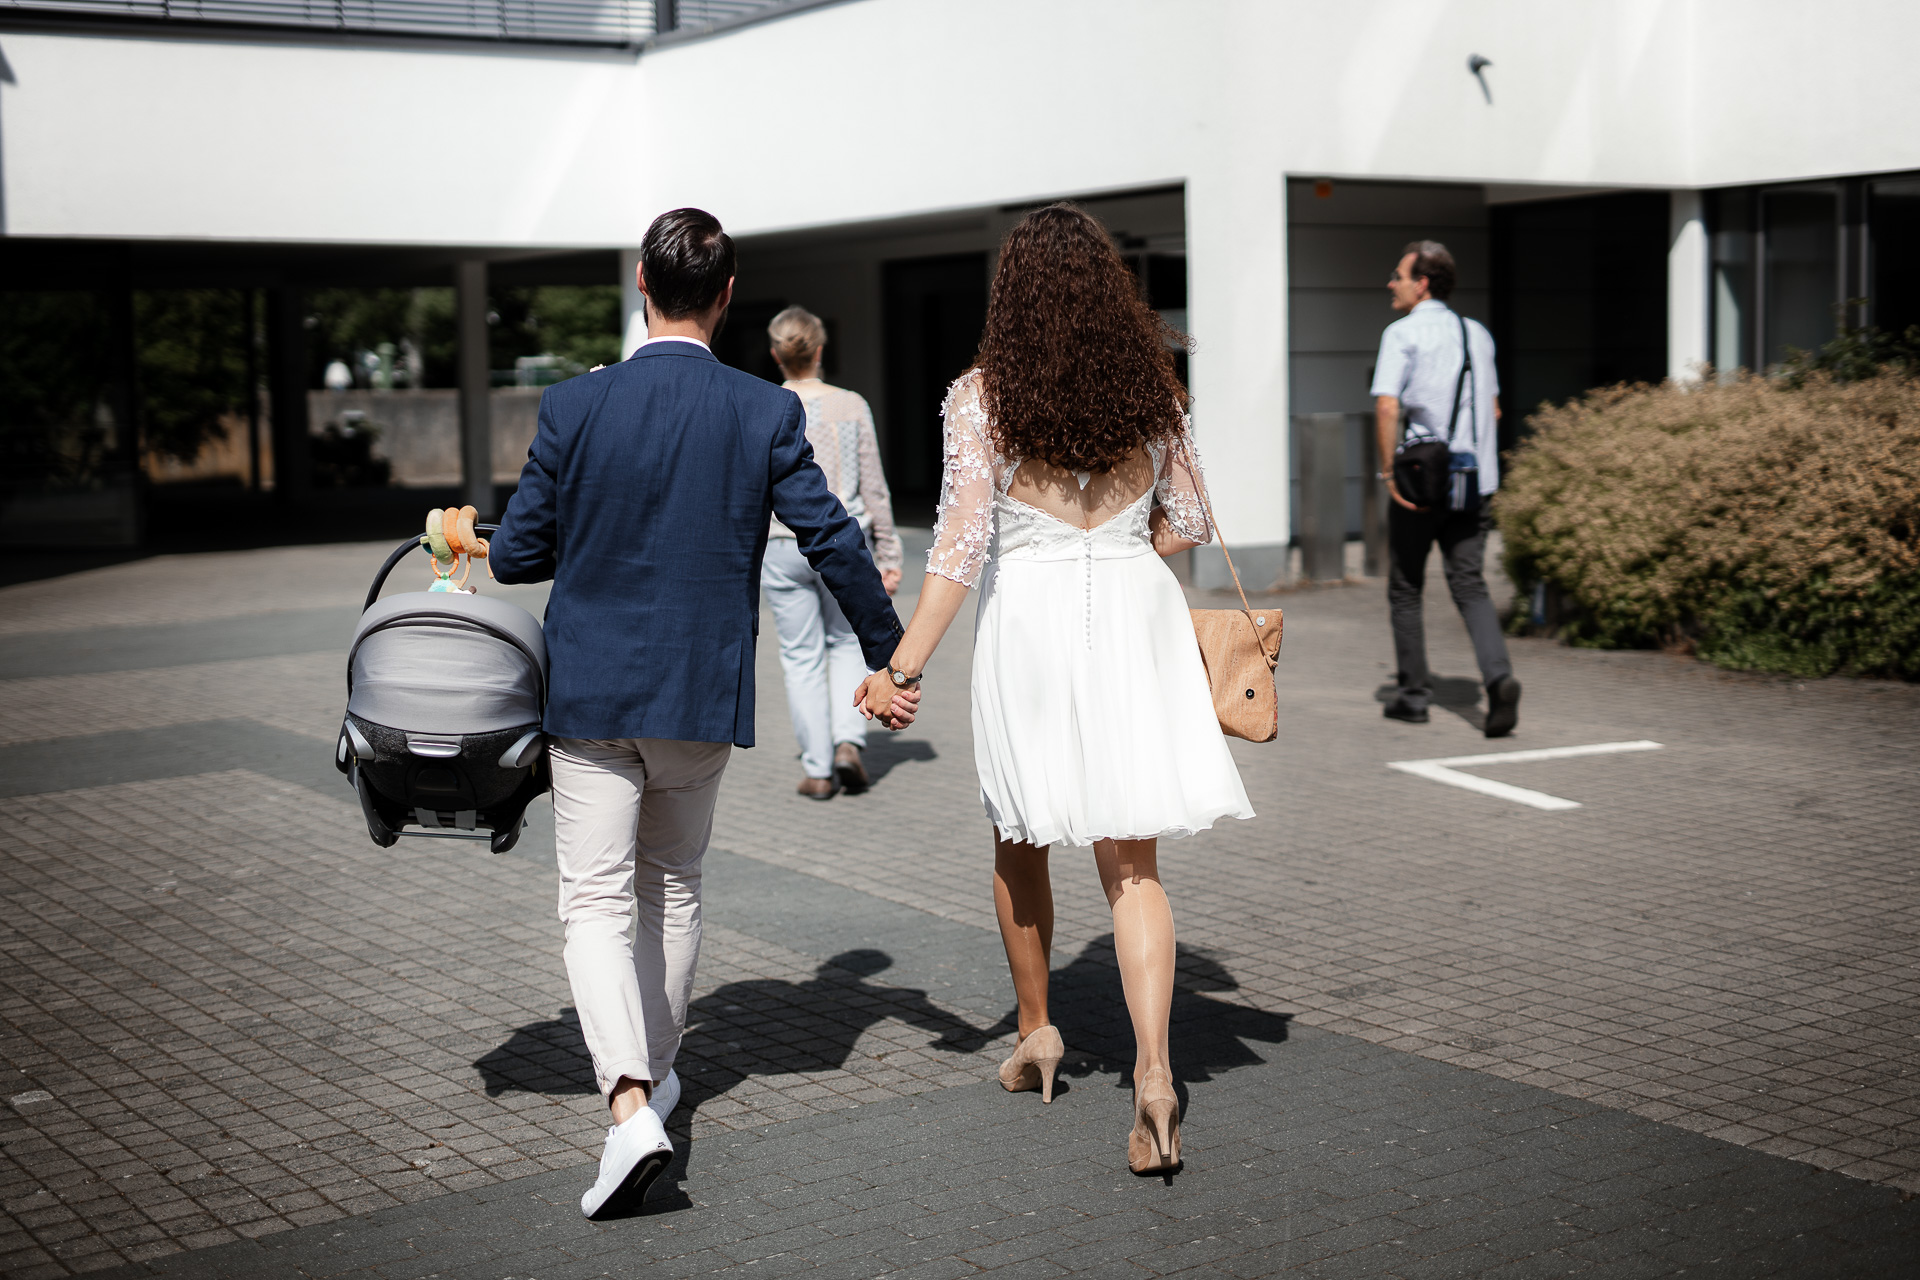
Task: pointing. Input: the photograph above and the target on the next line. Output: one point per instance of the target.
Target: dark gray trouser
(1463, 544)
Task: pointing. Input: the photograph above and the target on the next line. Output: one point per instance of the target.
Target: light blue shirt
(1420, 363)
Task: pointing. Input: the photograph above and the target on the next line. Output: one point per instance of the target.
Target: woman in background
(818, 650)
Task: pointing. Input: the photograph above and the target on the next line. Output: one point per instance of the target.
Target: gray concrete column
(287, 395)
(476, 423)
(1322, 440)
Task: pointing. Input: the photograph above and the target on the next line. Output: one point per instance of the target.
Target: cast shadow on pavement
(885, 750)
(1452, 693)
(541, 1057)
(765, 1026)
(1206, 1036)
(771, 1026)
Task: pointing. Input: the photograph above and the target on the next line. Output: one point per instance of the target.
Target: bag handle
(1206, 503)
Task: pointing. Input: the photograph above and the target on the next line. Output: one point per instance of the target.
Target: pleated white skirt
(1091, 715)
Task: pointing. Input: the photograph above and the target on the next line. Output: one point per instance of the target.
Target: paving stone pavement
(265, 1042)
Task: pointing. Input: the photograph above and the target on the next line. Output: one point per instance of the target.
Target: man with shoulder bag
(1435, 374)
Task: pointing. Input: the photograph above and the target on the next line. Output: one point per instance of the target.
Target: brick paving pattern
(228, 1015)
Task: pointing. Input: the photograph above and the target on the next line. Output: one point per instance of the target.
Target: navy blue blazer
(645, 498)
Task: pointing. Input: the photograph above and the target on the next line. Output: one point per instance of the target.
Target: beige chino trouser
(632, 818)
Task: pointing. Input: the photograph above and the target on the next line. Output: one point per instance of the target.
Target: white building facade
(1632, 187)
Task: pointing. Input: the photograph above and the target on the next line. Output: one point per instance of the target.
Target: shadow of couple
(772, 1026)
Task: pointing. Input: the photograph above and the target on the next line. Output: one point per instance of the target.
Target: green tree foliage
(56, 370)
(1855, 353)
(191, 351)
(344, 324)
(578, 323)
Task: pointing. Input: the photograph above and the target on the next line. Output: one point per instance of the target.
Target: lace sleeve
(1177, 488)
(963, 526)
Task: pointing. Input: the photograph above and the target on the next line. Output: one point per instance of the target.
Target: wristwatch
(900, 679)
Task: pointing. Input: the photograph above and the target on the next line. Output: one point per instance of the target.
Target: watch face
(899, 679)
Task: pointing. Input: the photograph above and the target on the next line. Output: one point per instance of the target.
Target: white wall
(123, 136)
(921, 105)
(879, 109)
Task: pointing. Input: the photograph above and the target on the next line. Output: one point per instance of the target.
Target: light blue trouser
(819, 654)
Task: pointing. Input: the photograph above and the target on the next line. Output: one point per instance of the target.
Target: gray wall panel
(1364, 257)
(1334, 383)
(1387, 204)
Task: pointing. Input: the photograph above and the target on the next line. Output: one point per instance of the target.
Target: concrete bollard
(1322, 439)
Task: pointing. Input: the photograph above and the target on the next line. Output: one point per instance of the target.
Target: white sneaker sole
(632, 1189)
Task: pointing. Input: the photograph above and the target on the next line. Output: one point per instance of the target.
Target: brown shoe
(847, 767)
(817, 788)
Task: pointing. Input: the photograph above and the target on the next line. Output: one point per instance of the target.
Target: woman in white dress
(819, 654)
(1069, 473)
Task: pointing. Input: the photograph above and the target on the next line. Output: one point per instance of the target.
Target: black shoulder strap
(1466, 365)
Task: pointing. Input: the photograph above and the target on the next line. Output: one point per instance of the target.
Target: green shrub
(1766, 526)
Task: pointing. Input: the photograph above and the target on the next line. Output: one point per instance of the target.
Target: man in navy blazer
(645, 498)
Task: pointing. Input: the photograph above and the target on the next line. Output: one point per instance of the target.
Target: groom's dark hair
(687, 260)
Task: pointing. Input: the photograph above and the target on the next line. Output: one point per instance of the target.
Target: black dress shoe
(1401, 709)
(1503, 706)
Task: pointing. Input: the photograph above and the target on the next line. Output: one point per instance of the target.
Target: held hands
(879, 700)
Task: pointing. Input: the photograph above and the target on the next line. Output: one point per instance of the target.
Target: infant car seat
(444, 697)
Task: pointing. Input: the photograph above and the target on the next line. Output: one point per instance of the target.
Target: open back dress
(1091, 715)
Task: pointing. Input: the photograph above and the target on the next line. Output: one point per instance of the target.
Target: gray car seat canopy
(447, 663)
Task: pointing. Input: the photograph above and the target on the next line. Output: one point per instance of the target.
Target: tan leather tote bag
(1240, 648)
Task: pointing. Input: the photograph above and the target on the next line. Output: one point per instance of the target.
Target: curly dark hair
(1075, 369)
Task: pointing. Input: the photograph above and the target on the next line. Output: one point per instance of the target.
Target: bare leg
(628, 1097)
(1023, 900)
(1142, 942)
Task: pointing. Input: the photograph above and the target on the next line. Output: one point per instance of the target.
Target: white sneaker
(666, 1096)
(637, 1153)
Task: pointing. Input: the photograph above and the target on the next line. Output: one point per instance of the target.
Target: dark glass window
(1730, 214)
(1802, 262)
(1893, 220)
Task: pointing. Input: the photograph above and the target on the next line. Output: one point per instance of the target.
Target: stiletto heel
(1034, 1062)
(1154, 1145)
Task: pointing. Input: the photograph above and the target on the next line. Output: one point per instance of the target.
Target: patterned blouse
(840, 429)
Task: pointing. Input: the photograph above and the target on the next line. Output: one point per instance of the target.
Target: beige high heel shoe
(1154, 1145)
(1034, 1062)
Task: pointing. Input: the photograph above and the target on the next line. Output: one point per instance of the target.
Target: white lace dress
(1091, 716)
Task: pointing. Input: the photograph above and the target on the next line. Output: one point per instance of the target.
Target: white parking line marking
(1446, 769)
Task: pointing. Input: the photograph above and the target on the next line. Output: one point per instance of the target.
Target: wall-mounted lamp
(1475, 65)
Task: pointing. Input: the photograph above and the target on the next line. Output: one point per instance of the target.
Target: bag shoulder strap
(1466, 366)
(1206, 503)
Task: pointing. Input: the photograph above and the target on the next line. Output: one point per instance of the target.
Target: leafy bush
(1768, 527)
(1855, 353)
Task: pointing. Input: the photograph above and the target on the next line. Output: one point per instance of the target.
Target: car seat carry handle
(400, 553)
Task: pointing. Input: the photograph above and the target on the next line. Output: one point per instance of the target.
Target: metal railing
(610, 22)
